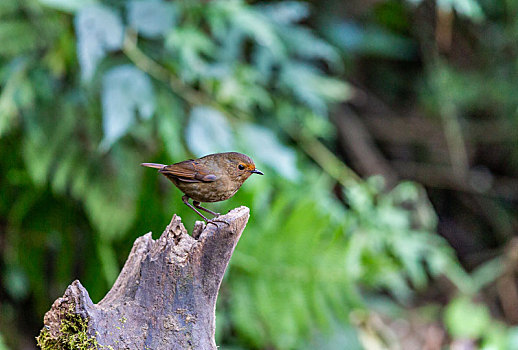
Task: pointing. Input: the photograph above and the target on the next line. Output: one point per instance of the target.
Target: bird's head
(240, 166)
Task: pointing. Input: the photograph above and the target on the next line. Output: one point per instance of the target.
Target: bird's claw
(213, 221)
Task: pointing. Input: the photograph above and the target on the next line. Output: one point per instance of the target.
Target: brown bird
(213, 178)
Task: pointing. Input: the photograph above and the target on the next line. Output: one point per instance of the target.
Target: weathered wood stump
(164, 297)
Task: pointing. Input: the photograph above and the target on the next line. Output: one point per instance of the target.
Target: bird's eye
(241, 167)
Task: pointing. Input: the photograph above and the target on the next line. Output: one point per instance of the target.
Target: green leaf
(66, 169)
(467, 8)
(70, 6)
(303, 43)
(466, 319)
(110, 198)
(286, 12)
(2, 343)
(242, 88)
(126, 90)
(312, 88)
(497, 337)
(258, 27)
(108, 261)
(189, 45)
(99, 30)
(513, 338)
(17, 37)
(208, 132)
(8, 7)
(38, 158)
(153, 18)
(289, 283)
(170, 119)
(13, 96)
(267, 150)
(368, 39)
(16, 282)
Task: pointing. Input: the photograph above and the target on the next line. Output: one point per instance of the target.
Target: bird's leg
(197, 205)
(185, 199)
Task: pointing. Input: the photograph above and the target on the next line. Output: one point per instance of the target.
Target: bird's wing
(189, 171)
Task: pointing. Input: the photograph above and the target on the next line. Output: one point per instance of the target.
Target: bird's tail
(153, 165)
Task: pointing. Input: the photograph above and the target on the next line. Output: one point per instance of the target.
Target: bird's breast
(215, 191)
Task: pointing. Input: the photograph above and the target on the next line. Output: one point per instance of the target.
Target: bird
(212, 178)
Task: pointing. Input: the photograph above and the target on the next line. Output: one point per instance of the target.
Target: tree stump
(164, 298)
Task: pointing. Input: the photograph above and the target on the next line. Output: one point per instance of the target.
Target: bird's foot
(215, 220)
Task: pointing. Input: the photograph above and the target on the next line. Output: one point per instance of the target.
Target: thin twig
(454, 139)
(447, 108)
(329, 162)
(358, 143)
(442, 176)
(148, 65)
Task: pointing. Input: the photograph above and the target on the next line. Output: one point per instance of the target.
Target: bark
(164, 297)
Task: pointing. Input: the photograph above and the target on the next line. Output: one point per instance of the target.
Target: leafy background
(339, 103)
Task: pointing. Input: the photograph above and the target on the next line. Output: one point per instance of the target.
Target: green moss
(73, 335)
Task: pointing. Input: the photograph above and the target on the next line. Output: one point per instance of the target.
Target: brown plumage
(213, 178)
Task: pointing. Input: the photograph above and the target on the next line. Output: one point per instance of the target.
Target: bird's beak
(255, 171)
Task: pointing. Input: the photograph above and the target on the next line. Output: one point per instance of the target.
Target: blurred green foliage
(465, 319)
(91, 89)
